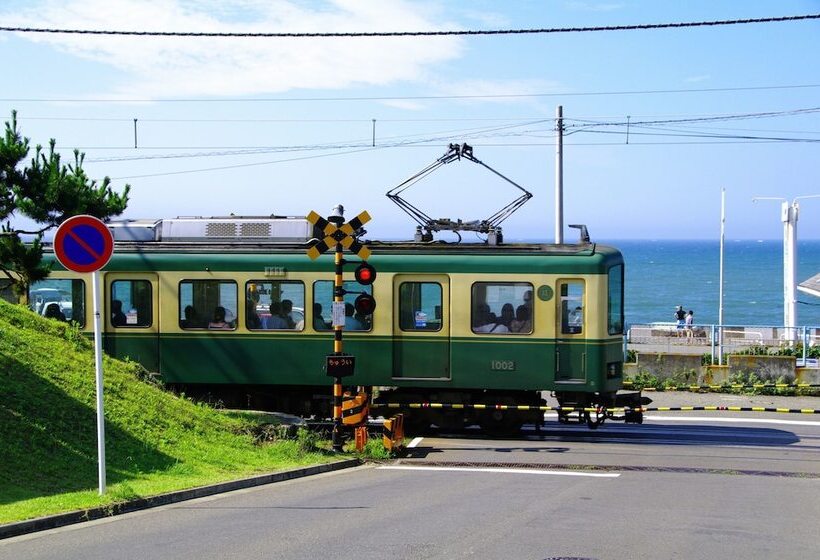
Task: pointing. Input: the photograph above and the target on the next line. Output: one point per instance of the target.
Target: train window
(615, 300)
(275, 305)
(130, 303)
(207, 304)
(572, 310)
(502, 308)
(323, 306)
(420, 306)
(59, 299)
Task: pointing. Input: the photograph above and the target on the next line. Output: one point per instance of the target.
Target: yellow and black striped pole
(338, 297)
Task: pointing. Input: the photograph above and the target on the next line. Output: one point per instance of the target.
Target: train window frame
(48, 284)
(475, 315)
(418, 320)
(572, 321)
(136, 315)
(298, 326)
(352, 289)
(616, 326)
(205, 323)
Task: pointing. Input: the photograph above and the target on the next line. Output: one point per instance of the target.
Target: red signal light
(365, 274)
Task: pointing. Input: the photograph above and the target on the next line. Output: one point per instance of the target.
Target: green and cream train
(233, 307)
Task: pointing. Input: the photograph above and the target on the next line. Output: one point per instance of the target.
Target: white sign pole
(95, 283)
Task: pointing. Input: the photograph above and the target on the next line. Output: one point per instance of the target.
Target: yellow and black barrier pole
(483, 406)
(338, 298)
(333, 231)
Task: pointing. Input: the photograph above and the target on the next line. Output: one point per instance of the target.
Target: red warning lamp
(365, 274)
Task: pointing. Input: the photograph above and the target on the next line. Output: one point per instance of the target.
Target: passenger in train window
(191, 320)
(319, 323)
(252, 319)
(485, 321)
(351, 322)
(507, 315)
(53, 312)
(276, 321)
(522, 322)
(219, 321)
(118, 318)
(287, 310)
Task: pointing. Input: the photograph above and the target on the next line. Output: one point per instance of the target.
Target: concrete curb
(70, 518)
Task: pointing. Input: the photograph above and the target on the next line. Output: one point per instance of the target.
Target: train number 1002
(502, 365)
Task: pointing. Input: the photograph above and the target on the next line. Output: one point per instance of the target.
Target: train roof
(259, 243)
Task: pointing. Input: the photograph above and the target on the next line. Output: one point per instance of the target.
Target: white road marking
(735, 419)
(499, 471)
(414, 443)
(722, 419)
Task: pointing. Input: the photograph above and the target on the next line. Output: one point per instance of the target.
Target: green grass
(155, 441)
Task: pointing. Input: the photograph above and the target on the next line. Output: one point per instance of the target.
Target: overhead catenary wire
(457, 32)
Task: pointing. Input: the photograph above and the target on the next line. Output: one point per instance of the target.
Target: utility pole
(559, 175)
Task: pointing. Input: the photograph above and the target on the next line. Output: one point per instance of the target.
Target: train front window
(207, 304)
(502, 308)
(323, 306)
(60, 299)
(420, 306)
(275, 305)
(615, 300)
(130, 303)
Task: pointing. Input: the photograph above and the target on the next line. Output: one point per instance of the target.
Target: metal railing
(721, 339)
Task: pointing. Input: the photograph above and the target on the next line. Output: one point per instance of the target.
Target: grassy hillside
(155, 441)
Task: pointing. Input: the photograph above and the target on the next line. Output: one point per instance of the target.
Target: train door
(421, 326)
(570, 347)
(131, 318)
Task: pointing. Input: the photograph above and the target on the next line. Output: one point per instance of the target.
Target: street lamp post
(788, 214)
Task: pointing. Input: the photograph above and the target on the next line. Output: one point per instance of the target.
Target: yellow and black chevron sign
(339, 234)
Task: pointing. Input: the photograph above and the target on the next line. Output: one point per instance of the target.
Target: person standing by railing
(689, 321)
(680, 319)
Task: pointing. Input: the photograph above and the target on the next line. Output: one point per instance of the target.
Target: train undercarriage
(496, 412)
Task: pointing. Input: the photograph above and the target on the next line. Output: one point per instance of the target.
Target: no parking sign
(85, 244)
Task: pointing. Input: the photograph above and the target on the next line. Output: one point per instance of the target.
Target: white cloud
(175, 66)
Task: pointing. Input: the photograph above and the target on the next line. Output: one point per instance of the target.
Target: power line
(402, 97)
(357, 34)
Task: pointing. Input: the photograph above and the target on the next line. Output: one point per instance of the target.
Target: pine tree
(48, 192)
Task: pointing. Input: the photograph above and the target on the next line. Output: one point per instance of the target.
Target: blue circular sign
(83, 244)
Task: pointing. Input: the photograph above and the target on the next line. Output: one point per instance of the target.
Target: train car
(233, 308)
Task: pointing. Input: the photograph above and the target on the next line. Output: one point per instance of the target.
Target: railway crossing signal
(342, 236)
(336, 234)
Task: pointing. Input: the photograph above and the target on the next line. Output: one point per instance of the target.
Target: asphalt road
(718, 486)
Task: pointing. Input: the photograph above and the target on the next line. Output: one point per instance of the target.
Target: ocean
(662, 274)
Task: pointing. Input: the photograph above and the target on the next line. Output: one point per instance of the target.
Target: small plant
(747, 380)
(374, 450)
(681, 379)
(308, 441)
(645, 380)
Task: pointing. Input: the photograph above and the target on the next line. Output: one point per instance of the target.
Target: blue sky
(260, 126)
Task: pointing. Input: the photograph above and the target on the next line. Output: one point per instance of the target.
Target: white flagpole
(720, 278)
